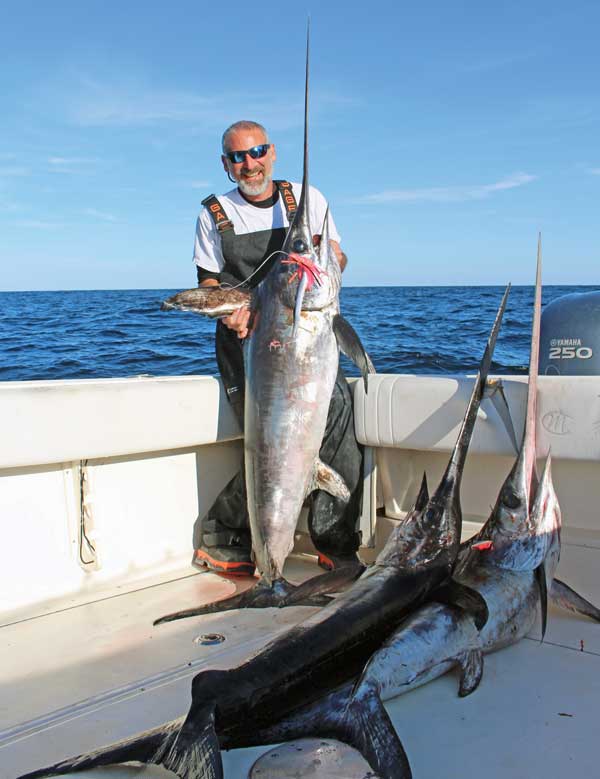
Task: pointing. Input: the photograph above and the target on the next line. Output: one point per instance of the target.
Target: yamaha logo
(569, 349)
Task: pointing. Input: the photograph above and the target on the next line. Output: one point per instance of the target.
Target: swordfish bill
(291, 361)
(510, 530)
(324, 651)
(510, 525)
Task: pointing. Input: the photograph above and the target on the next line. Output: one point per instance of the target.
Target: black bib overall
(223, 533)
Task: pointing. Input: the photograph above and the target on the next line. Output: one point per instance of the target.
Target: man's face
(253, 177)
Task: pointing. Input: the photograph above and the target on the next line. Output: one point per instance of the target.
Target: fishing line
(83, 537)
(235, 286)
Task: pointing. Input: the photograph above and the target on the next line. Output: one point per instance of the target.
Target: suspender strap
(219, 217)
(287, 195)
(222, 221)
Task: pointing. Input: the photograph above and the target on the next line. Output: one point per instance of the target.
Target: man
(238, 238)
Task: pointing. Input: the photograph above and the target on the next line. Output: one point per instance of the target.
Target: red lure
(305, 265)
(482, 546)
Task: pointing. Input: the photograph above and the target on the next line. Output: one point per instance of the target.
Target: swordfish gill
(325, 650)
(291, 361)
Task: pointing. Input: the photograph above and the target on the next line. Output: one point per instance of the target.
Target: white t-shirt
(248, 218)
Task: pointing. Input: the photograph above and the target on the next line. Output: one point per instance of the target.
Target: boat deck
(88, 674)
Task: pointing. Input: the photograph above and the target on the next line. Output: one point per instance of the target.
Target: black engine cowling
(570, 336)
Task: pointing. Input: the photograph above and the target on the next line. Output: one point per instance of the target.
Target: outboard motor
(570, 336)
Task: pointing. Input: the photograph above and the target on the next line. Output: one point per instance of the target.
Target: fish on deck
(324, 651)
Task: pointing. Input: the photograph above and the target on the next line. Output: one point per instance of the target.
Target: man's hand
(341, 257)
(238, 321)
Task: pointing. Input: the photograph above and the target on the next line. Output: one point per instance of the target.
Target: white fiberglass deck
(85, 676)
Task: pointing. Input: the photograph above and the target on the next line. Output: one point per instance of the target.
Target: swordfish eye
(299, 246)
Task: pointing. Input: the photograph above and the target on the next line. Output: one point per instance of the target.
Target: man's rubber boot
(335, 562)
(229, 560)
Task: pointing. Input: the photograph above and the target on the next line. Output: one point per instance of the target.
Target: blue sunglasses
(256, 152)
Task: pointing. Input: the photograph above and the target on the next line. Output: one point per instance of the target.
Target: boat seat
(411, 424)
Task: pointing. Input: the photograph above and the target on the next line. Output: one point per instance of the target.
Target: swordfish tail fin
(566, 597)
(459, 455)
(159, 746)
(366, 726)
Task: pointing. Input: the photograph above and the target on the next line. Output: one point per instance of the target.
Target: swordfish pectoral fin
(350, 344)
(305, 594)
(542, 582)
(159, 746)
(471, 666)
(566, 597)
(327, 479)
(454, 593)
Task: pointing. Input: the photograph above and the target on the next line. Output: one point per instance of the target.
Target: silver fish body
(289, 383)
(438, 637)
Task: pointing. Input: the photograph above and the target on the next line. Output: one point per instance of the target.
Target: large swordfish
(291, 361)
(325, 650)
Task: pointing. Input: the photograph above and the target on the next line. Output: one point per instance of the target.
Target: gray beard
(255, 189)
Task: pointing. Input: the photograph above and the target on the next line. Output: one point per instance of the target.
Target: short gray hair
(242, 125)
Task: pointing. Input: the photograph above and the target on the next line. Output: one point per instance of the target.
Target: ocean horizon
(86, 334)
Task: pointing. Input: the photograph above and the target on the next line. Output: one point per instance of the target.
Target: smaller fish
(214, 302)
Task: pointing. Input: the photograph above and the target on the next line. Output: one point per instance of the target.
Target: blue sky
(445, 135)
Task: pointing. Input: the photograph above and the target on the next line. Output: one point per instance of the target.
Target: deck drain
(208, 639)
(313, 759)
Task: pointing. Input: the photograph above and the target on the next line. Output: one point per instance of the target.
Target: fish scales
(289, 384)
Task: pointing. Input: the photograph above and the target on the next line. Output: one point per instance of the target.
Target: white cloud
(70, 164)
(594, 171)
(496, 63)
(200, 184)
(451, 194)
(102, 215)
(37, 224)
(8, 207)
(93, 102)
(99, 104)
(14, 170)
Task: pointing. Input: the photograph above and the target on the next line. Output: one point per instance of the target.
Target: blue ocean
(117, 333)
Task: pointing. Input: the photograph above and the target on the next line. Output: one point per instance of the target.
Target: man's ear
(273, 152)
(224, 161)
